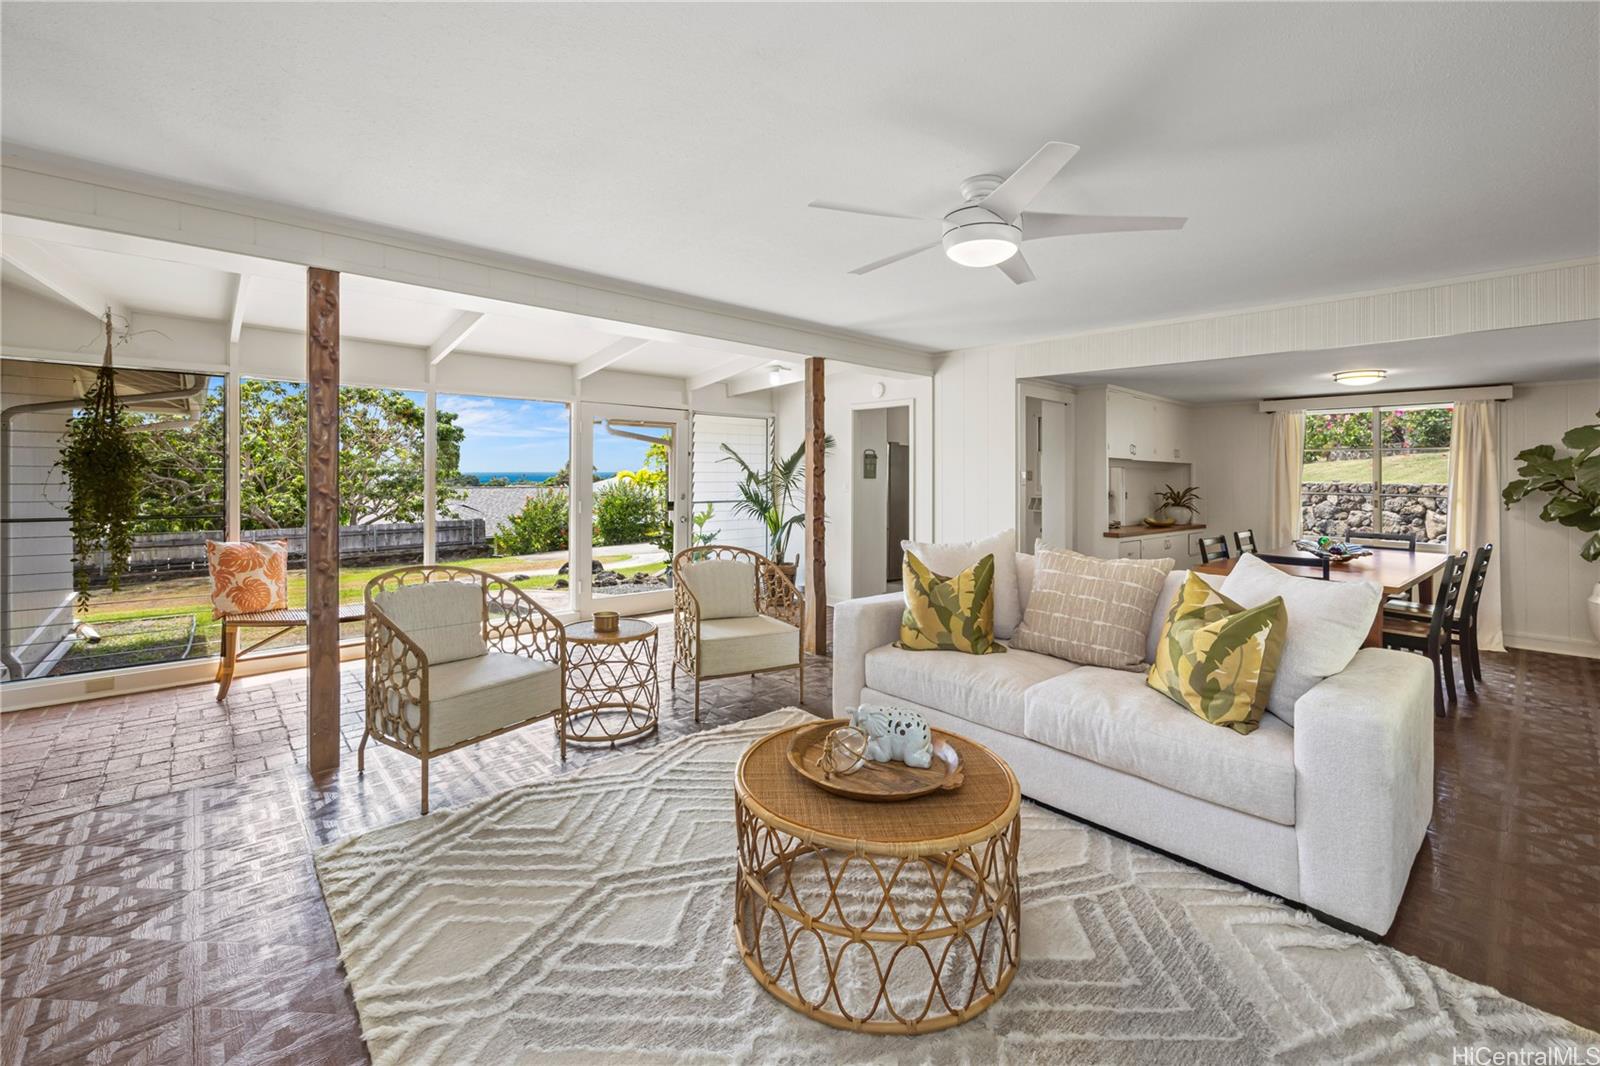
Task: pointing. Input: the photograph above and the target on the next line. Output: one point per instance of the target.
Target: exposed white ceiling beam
(756, 380)
(241, 286)
(55, 275)
(451, 338)
(611, 353)
(723, 371)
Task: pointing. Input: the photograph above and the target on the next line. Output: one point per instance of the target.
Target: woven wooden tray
(877, 782)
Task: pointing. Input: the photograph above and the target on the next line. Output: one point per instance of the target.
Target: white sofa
(1329, 812)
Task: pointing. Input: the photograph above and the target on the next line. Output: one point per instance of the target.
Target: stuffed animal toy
(895, 735)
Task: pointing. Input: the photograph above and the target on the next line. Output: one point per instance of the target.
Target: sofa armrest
(1363, 759)
(858, 627)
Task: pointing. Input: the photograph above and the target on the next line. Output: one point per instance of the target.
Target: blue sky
(511, 435)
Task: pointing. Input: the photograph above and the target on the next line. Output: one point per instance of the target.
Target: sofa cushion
(470, 697)
(1092, 611)
(1113, 718)
(445, 618)
(953, 612)
(1328, 623)
(986, 689)
(745, 645)
(954, 557)
(723, 588)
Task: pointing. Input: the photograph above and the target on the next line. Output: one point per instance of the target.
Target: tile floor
(160, 903)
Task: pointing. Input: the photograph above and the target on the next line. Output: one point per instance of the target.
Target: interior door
(632, 514)
(899, 508)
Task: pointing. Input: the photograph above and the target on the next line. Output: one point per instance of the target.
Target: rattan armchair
(455, 656)
(740, 614)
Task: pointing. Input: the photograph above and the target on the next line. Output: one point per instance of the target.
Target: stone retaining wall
(1337, 509)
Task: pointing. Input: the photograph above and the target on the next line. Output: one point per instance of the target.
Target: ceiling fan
(988, 227)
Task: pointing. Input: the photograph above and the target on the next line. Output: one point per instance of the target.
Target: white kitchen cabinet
(1144, 427)
(1129, 548)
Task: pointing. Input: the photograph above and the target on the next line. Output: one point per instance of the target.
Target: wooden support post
(322, 520)
(816, 530)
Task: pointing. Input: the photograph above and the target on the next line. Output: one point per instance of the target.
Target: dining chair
(1299, 560)
(1213, 548)
(1389, 541)
(1464, 626)
(1245, 541)
(1433, 637)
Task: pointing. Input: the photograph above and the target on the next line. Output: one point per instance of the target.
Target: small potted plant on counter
(1170, 499)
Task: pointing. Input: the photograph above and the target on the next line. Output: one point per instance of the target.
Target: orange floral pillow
(248, 576)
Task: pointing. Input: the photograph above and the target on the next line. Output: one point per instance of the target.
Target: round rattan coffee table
(879, 917)
(612, 690)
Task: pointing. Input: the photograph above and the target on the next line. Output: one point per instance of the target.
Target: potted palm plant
(1572, 483)
(771, 498)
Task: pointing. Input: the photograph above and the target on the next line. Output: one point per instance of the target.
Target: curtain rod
(1357, 400)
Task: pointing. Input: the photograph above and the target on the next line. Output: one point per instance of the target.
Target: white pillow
(1328, 623)
(444, 618)
(948, 560)
(723, 588)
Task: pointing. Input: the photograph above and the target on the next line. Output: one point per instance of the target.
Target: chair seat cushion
(987, 689)
(1113, 718)
(471, 697)
(745, 645)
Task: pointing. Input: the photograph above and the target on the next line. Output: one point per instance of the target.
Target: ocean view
(526, 477)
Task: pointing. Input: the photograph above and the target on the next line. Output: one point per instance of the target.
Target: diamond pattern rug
(589, 919)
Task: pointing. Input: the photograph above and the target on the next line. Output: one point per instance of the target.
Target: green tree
(380, 458)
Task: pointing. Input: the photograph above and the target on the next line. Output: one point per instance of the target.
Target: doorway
(631, 513)
(881, 499)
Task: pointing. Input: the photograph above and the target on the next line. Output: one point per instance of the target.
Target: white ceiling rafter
(756, 380)
(611, 353)
(723, 371)
(241, 288)
(452, 338)
(53, 274)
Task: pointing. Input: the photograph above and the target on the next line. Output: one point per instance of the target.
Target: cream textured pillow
(1092, 611)
(955, 557)
(1328, 623)
(723, 588)
(444, 618)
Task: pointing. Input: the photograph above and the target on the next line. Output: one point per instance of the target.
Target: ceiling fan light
(1358, 378)
(981, 244)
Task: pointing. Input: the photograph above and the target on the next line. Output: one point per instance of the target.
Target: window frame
(1374, 415)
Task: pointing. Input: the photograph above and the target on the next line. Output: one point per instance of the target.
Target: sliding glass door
(632, 510)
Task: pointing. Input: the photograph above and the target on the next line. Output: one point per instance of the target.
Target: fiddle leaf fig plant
(104, 466)
(1571, 483)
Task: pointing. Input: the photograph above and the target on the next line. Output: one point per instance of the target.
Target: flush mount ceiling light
(1357, 378)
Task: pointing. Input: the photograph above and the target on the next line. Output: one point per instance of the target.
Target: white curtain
(1283, 482)
(1475, 503)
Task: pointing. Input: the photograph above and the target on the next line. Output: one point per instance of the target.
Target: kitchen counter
(1142, 530)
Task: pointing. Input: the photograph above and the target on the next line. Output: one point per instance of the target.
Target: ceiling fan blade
(870, 267)
(1036, 224)
(1028, 180)
(1017, 269)
(852, 209)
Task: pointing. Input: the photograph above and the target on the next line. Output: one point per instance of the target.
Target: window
(1377, 470)
(161, 612)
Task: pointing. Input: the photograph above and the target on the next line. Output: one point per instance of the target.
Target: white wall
(1230, 466)
(1543, 583)
(846, 390)
(975, 450)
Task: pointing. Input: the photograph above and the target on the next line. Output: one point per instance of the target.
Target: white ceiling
(161, 278)
(1563, 352)
(1317, 148)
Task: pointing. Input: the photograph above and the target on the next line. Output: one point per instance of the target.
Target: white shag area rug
(589, 919)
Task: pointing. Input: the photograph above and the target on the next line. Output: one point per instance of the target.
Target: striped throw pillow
(1091, 611)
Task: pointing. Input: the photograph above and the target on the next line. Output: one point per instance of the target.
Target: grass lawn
(1432, 469)
(137, 627)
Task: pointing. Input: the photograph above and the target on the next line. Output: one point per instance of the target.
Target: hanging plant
(104, 467)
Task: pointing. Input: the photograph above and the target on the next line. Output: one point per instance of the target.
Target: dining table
(1397, 570)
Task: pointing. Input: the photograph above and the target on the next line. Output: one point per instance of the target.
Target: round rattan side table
(613, 693)
(878, 917)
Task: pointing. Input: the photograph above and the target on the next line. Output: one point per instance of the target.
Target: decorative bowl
(877, 782)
